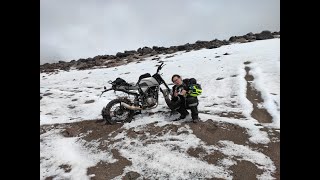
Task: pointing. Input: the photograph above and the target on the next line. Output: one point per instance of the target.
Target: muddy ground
(208, 131)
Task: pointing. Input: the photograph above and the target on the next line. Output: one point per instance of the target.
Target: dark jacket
(183, 86)
(187, 102)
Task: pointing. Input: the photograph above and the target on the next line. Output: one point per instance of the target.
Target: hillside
(238, 136)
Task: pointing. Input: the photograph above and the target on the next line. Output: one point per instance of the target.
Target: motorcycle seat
(133, 87)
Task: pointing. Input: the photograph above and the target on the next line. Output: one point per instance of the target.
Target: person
(182, 99)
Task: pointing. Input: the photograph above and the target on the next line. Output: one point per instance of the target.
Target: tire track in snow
(254, 96)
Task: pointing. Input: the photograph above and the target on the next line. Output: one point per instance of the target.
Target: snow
(227, 162)
(72, 90)
(263, 55)
(57, 150)
(159, 159)
(260, 160)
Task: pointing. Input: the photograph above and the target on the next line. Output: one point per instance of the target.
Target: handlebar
(160, 67)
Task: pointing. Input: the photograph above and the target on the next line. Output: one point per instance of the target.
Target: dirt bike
(146, 96)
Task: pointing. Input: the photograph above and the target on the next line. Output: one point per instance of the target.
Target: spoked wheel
(115, 113)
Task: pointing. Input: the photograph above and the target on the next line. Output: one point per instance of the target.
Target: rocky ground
(140, 54)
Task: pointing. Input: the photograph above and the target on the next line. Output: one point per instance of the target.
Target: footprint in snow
(89, 101)
(47, 94)
(71, 107)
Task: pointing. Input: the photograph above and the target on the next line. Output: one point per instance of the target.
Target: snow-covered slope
(202, 64)
(74, 96)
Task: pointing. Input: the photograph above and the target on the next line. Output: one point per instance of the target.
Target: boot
(181, 117)
(195, 120)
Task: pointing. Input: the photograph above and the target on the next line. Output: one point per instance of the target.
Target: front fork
(166, 96)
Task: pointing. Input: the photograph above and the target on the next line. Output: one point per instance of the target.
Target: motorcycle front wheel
(115, 113)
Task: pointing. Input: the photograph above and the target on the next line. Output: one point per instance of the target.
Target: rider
(181, 98)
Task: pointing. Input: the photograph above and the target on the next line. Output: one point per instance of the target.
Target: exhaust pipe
(130, 107)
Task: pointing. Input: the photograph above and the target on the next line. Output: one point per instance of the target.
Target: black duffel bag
(120, 82)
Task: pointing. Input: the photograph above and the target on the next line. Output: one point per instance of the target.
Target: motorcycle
(146, 96)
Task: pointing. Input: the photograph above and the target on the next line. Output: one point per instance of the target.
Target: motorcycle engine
(151, 101)
(150, 97)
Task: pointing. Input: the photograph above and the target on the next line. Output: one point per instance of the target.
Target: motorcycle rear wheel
(115, 113)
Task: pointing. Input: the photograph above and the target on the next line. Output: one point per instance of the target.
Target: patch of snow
(56, 150)
(262, 161)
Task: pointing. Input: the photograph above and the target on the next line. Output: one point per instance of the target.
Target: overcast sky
(73, 29)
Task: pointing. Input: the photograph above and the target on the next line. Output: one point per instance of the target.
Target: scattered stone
(89, 101)
(47, 94)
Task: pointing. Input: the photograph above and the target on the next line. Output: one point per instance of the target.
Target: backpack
(194, 87)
